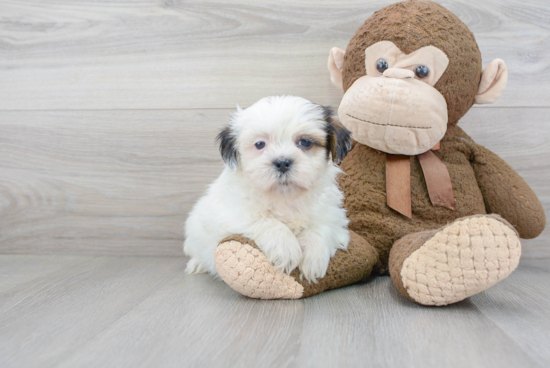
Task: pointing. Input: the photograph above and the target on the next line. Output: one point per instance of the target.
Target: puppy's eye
(259, 145)
(422, 71)
(305, 143)
(381, 65)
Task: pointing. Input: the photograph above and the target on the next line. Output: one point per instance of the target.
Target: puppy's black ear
(338, 137)
(228, 147)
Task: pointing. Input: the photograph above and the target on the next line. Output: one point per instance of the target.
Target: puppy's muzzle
(282, 165)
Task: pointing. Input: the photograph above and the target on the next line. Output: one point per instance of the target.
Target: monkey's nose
(282, 164)
(398, 73)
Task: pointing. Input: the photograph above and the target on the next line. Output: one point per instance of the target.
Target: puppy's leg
(201, 240)
(277, 242)
(340, 238)
(194, 266)
(317, 252)
(200, 250)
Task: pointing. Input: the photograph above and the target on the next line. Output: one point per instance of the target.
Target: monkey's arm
(507, 194)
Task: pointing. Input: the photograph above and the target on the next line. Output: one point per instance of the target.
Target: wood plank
(519, 307)
(165, 55)
(60, 312)
(103, 182)
(27, 274)
(197, 321)
(144, 311)
(376, 326)
(19, 272)
(122, 182)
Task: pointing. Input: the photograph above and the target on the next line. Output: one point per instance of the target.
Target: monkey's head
(410, 71)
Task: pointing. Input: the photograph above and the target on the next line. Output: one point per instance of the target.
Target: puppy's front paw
(316, 258)
(194, 266)
(342, 238)
(282, 249)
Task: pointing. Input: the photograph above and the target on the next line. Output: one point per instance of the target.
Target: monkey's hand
(507, 194)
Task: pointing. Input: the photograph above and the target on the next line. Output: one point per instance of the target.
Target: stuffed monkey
(438, 212)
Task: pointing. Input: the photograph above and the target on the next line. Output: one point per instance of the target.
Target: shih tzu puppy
(278, 188)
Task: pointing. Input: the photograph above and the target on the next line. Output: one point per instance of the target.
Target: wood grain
(122, 182)
(42, 320)
(181, 54)
(382, 329)
(27, 269)
(103, 182)
(520, 308)
(144, 312)
(108, 114)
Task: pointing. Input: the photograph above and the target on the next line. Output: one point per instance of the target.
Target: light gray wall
(108, 111)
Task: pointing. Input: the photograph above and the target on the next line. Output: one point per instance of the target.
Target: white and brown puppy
(278, 188)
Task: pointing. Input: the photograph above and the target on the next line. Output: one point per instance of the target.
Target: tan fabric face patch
(393, 111)
(397, 116)
(429, 56)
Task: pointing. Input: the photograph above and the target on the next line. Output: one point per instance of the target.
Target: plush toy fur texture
(482, 183)
(411, 25)
(439, 256)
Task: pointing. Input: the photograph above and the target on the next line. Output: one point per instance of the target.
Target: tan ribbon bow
(398, 181)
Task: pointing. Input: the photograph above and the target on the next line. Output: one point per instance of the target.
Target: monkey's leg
(246, 269)
(447, 265)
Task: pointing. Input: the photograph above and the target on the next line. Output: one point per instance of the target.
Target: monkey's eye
(381, 65)
(422, 71)
(305, 143)
(259, 145)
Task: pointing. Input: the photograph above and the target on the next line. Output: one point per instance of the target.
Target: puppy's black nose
(282, 164)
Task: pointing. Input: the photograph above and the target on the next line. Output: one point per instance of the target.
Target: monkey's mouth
(392, 125)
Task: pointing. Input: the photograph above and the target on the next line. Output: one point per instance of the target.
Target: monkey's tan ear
(335, 66)
(493, 81)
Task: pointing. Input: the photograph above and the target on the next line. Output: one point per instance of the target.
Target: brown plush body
(437, 252)
(482, 183)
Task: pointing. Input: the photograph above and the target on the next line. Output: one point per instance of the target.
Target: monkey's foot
(447, 265)
(246, 269)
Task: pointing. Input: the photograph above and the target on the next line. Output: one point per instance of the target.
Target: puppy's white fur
(295, 218)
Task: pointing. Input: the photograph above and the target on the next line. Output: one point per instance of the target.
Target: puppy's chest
(295, 218)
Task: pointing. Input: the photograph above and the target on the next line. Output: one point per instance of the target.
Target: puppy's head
(283, 144)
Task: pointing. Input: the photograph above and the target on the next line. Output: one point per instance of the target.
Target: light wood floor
(108, 114)
(130, 311)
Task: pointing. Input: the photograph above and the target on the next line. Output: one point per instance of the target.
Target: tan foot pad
(247, 270)
(461, 260)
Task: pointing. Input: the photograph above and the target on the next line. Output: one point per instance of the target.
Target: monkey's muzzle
(397, 116)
